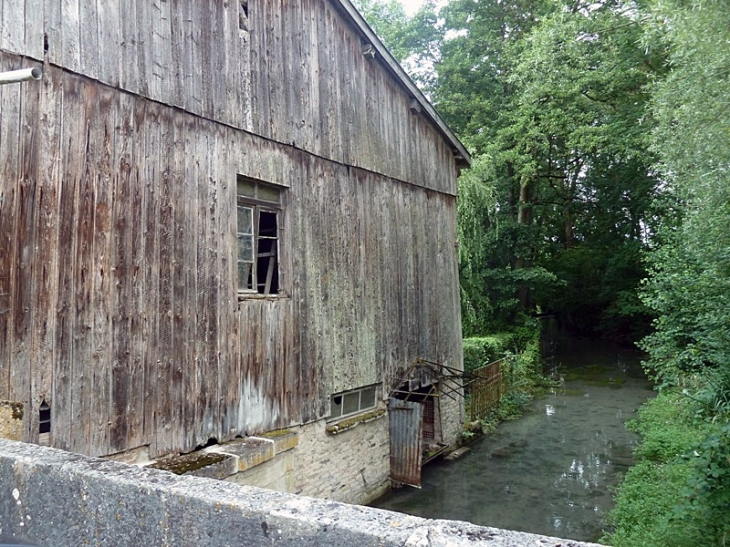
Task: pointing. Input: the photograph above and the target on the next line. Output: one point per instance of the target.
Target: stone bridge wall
(53, 498)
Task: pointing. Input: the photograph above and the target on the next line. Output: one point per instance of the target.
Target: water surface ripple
(552, 471)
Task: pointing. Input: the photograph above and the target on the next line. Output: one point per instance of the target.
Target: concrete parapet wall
(56, 499)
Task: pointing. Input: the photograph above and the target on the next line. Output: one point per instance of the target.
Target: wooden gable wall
(295, 73)
(118, 301)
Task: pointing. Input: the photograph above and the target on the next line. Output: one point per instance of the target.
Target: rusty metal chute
(405, 441)
(410, 383)
(415, 417)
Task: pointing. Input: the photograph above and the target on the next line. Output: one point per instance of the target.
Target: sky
(411, 6)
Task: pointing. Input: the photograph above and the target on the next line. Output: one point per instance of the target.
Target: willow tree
(552, 95)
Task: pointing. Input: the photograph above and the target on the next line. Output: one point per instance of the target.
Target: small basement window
(351, 402)
(258, 211)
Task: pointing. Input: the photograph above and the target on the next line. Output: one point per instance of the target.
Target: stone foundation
(347, 460)
(53, 498)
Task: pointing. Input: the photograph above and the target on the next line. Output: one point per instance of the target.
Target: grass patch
(653, 504)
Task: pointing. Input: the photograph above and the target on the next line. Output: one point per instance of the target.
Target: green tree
(550, 98)
(688, 285)
(413, 41)
(553, 94)
(689, 282)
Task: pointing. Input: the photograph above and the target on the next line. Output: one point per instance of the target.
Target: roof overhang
(461, 155)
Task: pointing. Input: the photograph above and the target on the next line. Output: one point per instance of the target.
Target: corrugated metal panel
(405, 441)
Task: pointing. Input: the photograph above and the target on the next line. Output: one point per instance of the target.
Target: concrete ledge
(58, 499)
(284, 439)
(199, 464)
(248, 452)
(348, 423)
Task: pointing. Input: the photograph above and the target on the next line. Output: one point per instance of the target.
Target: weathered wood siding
(294, 74)
(312, 87)
(118, 302)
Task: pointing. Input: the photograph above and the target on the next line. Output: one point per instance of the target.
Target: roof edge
(461, 155)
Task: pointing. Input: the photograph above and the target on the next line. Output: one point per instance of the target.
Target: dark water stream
(552, 471)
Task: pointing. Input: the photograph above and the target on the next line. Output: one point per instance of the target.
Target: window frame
(360, 408)
(257, 206)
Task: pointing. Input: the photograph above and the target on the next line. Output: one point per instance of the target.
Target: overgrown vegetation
(600, 131)
(688, 287)
(522, 372)
(678, 492)
(481, 350)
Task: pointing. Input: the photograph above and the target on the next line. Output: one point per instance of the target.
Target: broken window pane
(245, 220)
(353, 401)
(336, 408)
(245, 248)
(244, 274)
(258, 237)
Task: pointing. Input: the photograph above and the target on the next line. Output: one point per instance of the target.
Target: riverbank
(673, 495)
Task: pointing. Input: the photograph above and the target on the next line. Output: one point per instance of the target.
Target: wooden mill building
(218, 220)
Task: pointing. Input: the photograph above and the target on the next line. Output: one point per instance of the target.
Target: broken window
(351, 402)
(258, 211)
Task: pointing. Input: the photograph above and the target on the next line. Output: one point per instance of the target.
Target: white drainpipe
(22, 75)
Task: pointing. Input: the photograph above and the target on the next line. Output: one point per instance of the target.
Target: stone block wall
(53, 498)
(352, 465)
(452, 417)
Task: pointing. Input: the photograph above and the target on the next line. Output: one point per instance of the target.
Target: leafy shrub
(706, 496)
(483, 350)
(522, 370)
(678, 493)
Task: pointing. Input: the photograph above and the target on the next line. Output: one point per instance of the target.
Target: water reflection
(550, 472)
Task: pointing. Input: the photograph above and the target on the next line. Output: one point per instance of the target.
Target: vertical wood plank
(72, 152)
(228, 308)
(164, 262)
(146, 165)
(90, 61)
(122, 277)
(24, 362)
(211, 416)
(204, 368)
(158, 51)
(53, 29)
(13, 26)
(129, 47)
(195, 18)
(178, 63)
(34, 40)
(178, 289)
(9, 188)
(142, 56)
(219, 78)
(82, 313)
(47, 257)
(109, 16)
(128, 253)
(185, 160)
(70, 35)
(103, 367)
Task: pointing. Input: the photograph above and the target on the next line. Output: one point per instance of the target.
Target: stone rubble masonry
(53, 498)
(352, 466)
(348, 461)
(451, 407)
